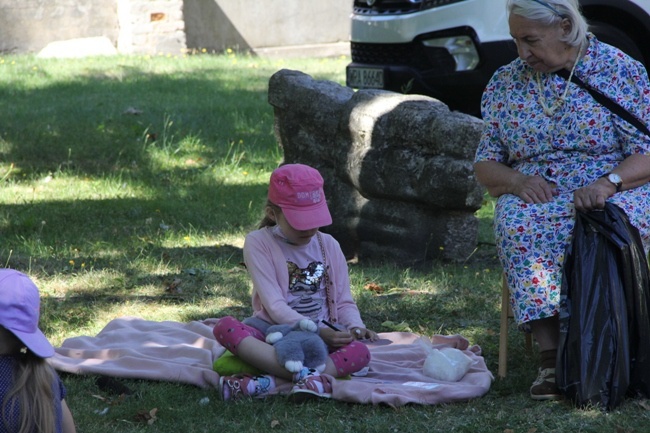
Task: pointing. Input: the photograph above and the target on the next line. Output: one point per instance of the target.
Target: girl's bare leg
(262, 355)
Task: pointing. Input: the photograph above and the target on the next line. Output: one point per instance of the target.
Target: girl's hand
(364, 334)
(335, 338)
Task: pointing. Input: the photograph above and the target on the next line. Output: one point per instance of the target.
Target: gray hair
(552, 12)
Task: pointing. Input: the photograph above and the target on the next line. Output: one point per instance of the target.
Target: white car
(449, 49)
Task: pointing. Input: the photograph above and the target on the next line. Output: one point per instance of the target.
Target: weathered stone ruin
(397, 168)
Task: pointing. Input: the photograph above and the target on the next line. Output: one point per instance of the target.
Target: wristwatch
(615, 179)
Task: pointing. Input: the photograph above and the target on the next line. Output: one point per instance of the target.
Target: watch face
(615, 179)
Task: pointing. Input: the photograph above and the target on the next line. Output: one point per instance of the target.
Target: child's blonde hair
(32, 391)
(267, 221)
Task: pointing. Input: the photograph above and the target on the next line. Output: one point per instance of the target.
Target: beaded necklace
(550, 111)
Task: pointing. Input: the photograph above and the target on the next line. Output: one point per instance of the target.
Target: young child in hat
(31, 393)
(297, 273)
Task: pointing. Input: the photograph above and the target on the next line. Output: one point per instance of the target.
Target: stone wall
(398, 168)
(151, 26)
(29, 25)
(174, 26)
(254, 25)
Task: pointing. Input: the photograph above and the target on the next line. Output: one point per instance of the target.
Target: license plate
(365, 78)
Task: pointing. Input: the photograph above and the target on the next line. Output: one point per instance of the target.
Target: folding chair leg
(506, 312)
(503, 331)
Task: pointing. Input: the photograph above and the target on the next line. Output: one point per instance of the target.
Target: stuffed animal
(296, 346)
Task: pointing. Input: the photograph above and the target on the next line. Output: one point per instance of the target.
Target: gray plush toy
(296, 346)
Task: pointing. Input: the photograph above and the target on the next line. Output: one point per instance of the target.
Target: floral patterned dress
(573, 147)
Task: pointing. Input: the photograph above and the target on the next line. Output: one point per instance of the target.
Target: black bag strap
(603, 99)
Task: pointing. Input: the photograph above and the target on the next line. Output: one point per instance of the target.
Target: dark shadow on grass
(106, 125)
(191, 286)
(123, 224)
(98, 123)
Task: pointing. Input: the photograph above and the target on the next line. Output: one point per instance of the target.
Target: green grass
(121, 175)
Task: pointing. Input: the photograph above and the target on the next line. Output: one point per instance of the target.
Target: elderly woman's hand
(533, 189)
(593, 196)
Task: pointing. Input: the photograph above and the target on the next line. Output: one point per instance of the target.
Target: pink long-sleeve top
(270, 261)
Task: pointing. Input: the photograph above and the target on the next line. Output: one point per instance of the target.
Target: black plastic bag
(604, 349)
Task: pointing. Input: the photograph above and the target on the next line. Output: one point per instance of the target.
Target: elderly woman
(549, 148)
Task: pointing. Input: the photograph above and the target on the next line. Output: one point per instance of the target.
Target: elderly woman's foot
(544, 387)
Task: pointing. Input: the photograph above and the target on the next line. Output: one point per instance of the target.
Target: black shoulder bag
(603, 99)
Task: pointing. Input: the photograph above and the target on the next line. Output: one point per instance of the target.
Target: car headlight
(461, 48)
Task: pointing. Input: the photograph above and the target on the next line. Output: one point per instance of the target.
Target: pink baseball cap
(20, 311)
(298, 190)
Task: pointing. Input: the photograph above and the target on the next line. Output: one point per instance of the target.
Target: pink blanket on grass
(129, 347)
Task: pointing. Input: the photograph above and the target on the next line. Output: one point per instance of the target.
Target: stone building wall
(173, 26)
(29, 25)
(151, 26)
(254, 25)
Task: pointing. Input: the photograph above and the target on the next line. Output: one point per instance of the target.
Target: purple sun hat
(20, 311)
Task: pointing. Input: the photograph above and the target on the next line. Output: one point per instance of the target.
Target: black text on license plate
(365, 78)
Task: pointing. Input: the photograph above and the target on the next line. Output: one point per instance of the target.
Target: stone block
(398, 168)
(76, 48)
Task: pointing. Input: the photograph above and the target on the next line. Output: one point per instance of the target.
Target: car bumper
(460, 90)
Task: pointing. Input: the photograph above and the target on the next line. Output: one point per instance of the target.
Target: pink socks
(351, 358)
(229, 332)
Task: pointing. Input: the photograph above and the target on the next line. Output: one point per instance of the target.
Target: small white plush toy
(296, 346)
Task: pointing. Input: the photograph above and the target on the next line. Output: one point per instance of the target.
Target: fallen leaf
(645, 404)
(148, 417)
(174, 286)
(401, 291)
(152, 413)
(237, 269)
(374, 287)
(118, 400)
(400, 327)
(275, 423)
(133, 111)
(101, 412)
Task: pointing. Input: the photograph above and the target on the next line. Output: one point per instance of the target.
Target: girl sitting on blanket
(31, 393)
(297, 273)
